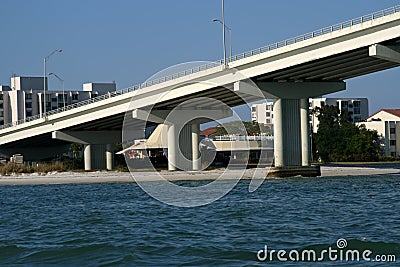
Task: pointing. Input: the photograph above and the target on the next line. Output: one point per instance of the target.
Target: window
(29, 113)
(268, 114)
(1, 96)
(54, 99)
(357, 107)
(268, 107)
(1, 113)
(392, 130)
(253, 109)
(61, 98)
(75, 97)
(392, 142)
(345, 104)
(1, 105)
(28, 104)
(28, 96)
(357, 119)
(268, 121)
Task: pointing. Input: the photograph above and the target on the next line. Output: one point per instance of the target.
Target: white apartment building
(387, 123)
(24, 98)
(263, 113)
(357, 108)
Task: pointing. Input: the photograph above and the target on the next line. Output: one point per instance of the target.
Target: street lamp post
(230, 37)
(44, 79)
(62, 85)
(223, 30)
(222, 21)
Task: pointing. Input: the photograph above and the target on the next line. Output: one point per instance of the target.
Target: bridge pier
(183, 134)
(109, 157)
(98, 150)
(292, 132)
(183, 147)
(173, 147)
(98, 157)
(292, 139)
(87, 157)
(305, 132)
(291, 122)
(196, 157)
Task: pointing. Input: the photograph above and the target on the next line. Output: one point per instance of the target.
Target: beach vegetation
(15, 168)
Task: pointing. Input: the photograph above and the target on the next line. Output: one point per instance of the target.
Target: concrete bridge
(289, 72)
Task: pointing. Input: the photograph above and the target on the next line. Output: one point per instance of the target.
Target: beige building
(387, 123)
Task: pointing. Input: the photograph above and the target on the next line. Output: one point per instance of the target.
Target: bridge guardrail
(297, 39)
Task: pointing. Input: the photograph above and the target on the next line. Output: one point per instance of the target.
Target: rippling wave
(119, 225)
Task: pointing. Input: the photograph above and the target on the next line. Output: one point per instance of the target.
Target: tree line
(338, 139)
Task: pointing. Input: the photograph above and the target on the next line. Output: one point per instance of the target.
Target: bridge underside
(339, 67)
(35, 148)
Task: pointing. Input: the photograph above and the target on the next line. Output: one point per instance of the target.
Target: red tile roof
(209, 131)
(395, 112)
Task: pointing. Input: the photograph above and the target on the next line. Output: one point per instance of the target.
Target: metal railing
(294, 40)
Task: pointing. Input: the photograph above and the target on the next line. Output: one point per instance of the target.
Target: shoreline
(125, 177)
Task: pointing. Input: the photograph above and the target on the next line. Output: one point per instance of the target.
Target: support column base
(290, 171)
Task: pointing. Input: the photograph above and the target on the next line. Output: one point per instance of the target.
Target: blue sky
(129, 41)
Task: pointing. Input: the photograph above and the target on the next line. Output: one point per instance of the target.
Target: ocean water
(118, 224)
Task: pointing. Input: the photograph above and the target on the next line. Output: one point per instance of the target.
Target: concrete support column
(109, 157)
(183, 147)
(196, 159)
(278, 133)
(291, 139)
(184, 157)
(305, 132)
(87, 157)
(173, 148)
(287, 140)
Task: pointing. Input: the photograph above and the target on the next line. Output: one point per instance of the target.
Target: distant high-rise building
(24, 98)
(357, 108)
(263, 113)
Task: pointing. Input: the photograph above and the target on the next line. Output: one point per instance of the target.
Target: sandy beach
(126, 177)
